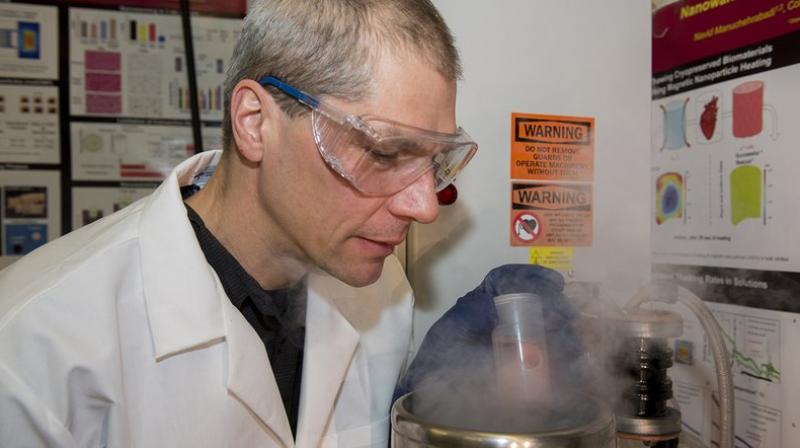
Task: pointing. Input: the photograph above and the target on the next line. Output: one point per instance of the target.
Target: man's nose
(418, 201)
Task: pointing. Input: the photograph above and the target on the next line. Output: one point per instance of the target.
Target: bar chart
(133, 64)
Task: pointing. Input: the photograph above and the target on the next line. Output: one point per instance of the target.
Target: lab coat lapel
(183, 303)
(331, 342)
(250, 378)
(187, 306)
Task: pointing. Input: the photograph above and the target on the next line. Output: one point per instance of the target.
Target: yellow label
(558, 258)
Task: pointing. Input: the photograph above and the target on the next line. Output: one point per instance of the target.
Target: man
(172, 324)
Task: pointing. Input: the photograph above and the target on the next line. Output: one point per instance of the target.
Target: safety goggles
(378, 156)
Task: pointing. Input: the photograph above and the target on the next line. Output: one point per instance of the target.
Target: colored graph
(91, 143)
(110, 29)
(144, 32)
(209, 99)
(669, 197)
(26, 38)
(745, 193)
(102, 30)
(29, 40)
(748, 105)
(754, 345)
(752, 365)
(675, 124)
(103, 82)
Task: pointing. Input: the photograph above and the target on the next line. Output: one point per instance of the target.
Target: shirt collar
(286, 306)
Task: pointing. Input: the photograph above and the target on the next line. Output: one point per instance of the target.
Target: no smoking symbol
(527, 227)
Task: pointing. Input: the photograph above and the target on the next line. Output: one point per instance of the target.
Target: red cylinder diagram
(748, 105)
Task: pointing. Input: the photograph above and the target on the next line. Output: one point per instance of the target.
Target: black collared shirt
(277, 316)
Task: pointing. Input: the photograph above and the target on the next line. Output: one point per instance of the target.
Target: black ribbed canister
(645, 361)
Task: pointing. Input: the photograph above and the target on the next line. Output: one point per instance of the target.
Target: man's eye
(385, 157)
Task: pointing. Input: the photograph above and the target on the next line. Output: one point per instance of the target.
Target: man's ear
(254, 114)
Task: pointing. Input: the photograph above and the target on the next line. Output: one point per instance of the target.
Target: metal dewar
(412, 431)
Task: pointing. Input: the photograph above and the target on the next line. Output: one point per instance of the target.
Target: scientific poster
(30, 211)
(214, 39)
(28, 41)
(725, 173)
(725, 107)
(132, 152)
(764, 376)
(132, 64)
(92, 203)
(29, 124)
(723, 148)
(29, 115)
(112, 129)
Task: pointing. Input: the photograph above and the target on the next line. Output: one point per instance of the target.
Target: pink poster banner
(226, 7)
(688, 30)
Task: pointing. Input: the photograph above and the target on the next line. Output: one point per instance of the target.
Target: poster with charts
(29, 124)
(725, 205)
(724, 173)
(132, 64)
(30, 211)
(764, 368)
(28, 41)
(725, 100)
(132, 152)
(90, 204)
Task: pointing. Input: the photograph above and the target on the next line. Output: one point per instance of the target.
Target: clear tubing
(690, 440)
(722, 364)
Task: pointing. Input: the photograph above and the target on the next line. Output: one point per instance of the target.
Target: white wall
(562, 57)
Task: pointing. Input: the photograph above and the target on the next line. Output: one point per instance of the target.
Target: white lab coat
(120, 334)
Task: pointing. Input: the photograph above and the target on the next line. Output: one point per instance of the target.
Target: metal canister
(413, 431)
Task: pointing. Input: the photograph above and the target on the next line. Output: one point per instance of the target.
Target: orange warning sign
(551, 215)
(550, 147)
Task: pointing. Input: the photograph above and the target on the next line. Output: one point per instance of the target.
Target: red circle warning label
(527, 227)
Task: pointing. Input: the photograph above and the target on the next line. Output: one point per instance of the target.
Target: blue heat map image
(669, 197)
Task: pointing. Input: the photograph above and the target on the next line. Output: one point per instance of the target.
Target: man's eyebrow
(404, 144)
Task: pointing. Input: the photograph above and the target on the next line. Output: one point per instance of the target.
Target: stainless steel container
(411, 431)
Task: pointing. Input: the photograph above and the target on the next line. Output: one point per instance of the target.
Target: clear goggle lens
(380, 157)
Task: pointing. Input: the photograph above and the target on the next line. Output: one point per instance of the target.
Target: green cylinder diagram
(745, 193)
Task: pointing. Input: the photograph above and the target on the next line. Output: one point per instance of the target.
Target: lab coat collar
(187, 306)
(249, 381)
(180, 289)
(185, 312)
(331, 342)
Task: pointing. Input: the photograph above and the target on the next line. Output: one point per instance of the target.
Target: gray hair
(330, 47)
